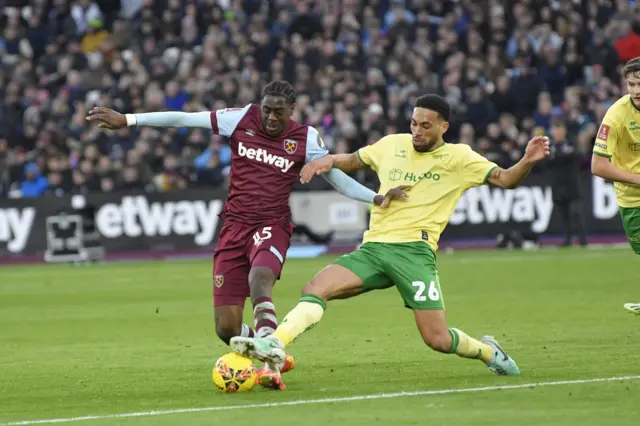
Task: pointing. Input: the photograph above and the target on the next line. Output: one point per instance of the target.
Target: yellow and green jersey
(619, 139)
(438, 179)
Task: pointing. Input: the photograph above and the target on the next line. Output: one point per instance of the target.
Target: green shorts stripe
(410, 267)
(631, 223)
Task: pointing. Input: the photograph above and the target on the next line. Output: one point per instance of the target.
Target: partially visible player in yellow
(399, 248)
(616, 156)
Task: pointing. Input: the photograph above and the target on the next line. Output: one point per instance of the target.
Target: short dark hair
(280, 88)
(435, 103)
(632, 67)
(558, 122)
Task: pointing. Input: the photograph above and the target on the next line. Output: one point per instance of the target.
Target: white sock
(246, 331)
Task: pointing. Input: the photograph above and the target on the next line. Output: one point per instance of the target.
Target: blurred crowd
(511, 69)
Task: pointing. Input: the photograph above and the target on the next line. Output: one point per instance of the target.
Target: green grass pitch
(136, 337)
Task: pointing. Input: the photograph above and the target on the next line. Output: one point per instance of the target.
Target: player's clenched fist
(537, 148)
(316, 167)
(107, 118)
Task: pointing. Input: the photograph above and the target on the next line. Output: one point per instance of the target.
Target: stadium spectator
(358, 66)
(34, 184)
(564, 163)
(627, 43)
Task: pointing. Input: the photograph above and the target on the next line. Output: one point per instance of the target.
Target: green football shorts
(411, 267)
(631, 223)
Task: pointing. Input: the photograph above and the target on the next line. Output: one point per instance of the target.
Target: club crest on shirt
(290, 146)
(218, 280)
(249, 132)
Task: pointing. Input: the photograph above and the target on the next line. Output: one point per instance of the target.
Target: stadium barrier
(188, 220)
(180, 220)
(487, 211)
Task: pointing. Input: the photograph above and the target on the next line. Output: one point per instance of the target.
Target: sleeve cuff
(360, 158)
(602, 154)
(486, 177)
(131, 120)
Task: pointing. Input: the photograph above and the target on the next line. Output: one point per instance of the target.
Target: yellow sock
(468, 347)
(307, 313)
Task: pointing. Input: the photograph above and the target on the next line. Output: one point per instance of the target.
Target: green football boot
(267, 349)
(502, 364)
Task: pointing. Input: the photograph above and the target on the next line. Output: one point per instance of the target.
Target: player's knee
(226, 331)
(440, 342)
(315, 289)
(309, 288)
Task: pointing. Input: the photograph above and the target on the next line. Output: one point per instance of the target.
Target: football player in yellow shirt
(616, 156)
(399, 248)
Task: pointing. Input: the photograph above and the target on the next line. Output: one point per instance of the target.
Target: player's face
(427, 129)
(633, 86)
(558, 133)
(276, 112)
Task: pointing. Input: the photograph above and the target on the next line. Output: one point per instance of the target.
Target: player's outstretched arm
(344, 184)
(351, 188)
(601, 166)
(346, 162)
(354, 190)
(537, 149)
(333, 167)
(110, 119)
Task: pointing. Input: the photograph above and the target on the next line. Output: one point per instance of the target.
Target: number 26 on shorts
(432, 292)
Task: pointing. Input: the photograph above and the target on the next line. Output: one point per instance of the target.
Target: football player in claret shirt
(269, 150)
(399, 249)
(616, 156)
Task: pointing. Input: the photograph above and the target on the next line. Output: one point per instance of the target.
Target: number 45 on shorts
(262, 235)
(433, 293)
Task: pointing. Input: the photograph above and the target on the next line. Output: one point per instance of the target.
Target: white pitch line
(533, 256)
(318, 401)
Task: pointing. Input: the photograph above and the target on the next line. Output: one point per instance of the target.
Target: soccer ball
(234, 373)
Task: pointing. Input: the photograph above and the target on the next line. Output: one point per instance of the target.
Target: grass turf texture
(132, 337)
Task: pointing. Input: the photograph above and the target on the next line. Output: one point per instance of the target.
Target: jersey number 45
(260, 236)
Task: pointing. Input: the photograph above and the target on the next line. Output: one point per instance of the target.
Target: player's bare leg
(228, 321)
(634, 308)
(435, 333)
(333, 282)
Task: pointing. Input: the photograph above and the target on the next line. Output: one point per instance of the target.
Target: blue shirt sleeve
(336, 178)
(348, 186)
(315, 146)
